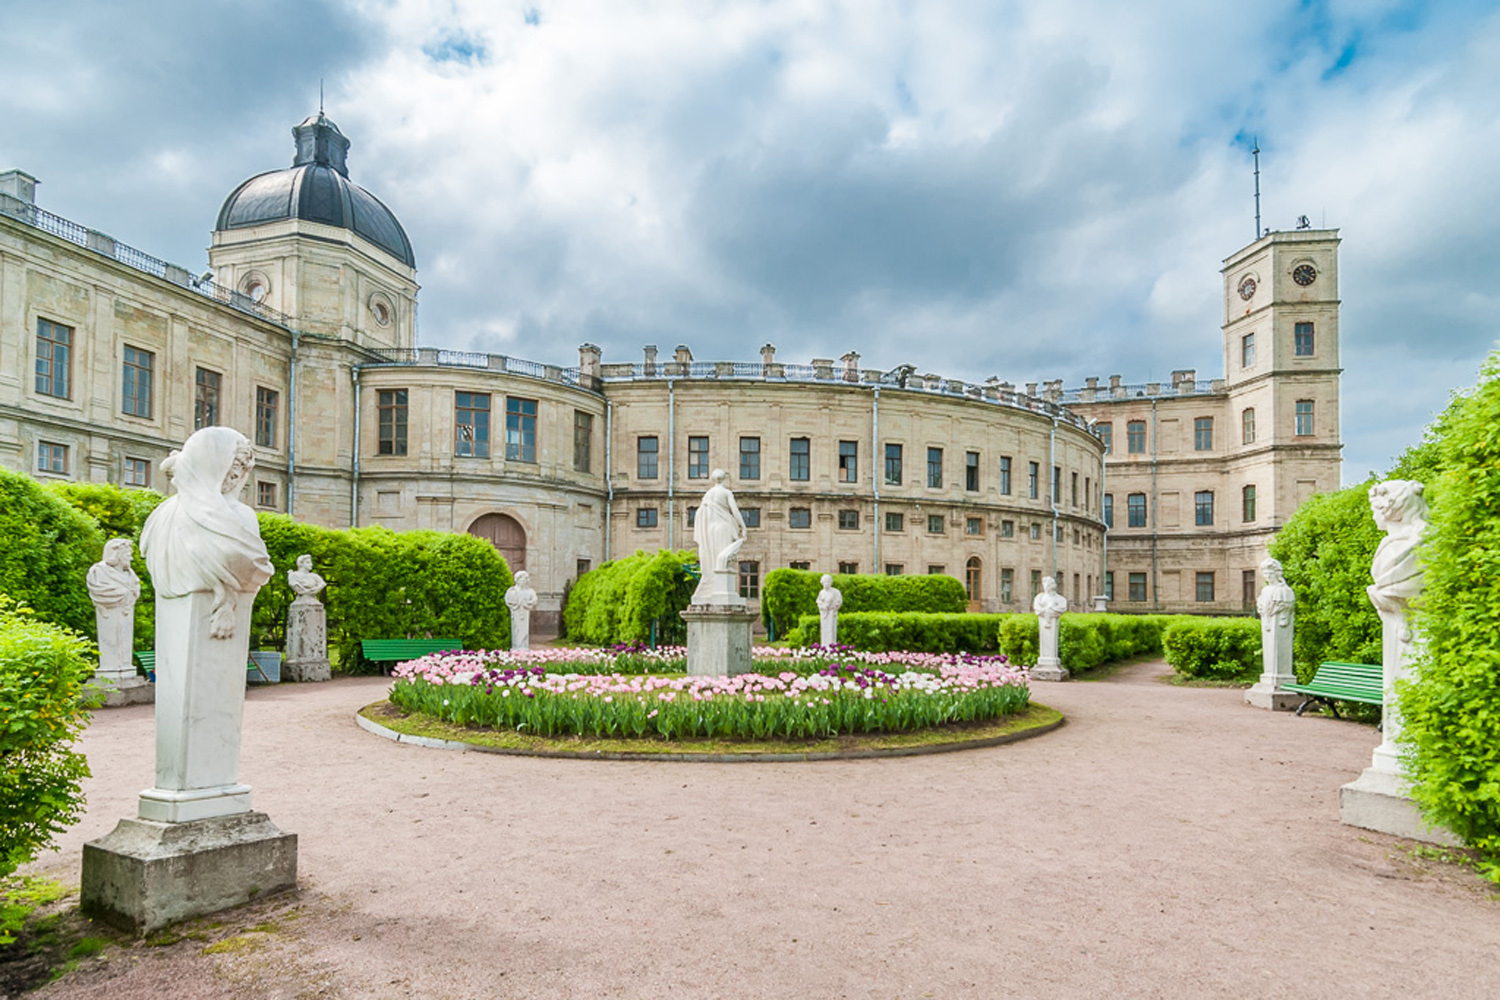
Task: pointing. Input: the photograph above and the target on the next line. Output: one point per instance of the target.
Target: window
(1036, 532)
(1205, 586)
(893, 465)
(1135, 510)
(749, 579)
(135, 390)
(582, 566)
(848, 520)
(1036, 583)
(390, 405)
(1106, 433)
(971, 470)
(1088, 491)
(1203, 434)
(1007, 585)
(936, 524)
(137, 472)
(751, 516)
(1074, 488)
(974, 526)
(1203, 507)
(1247, 351)
(799, 517)
(1247, 425)
(206, 399)
(1056, 495)
(894, 569)
(1109, 585)
(934, 467)
(1135, 437)
(1005, 474)
(749, 458)
(848, 462)
(1033, 474)
(54, 359)
(471, 424)
(1007, 529)
(1302, 340)
(583, 441)
(974, 579)
(1109, 510)
(1137, 587)
(1247, 587)
(697, 458)
(1247, 503)
(52, 458)
(933, 569)
(266, 403)
(646, 451)
(795, 564)
(1304, 417)
(265, 495)
(801, 467)
(520, 429)
(895, 521)
(692, 516)
(645, 517)
(848, 568)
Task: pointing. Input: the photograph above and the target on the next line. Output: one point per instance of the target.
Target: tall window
(1109, 585)
(1137, 586)
(137, 472)
(1056, 495)
(692, 516)
(646, 451)
(52, 458)
(1005, 475)
(1247, 587)
(799, 517)
(1247, 425)
(1302, 340)
(583, 441)
(1033, 474)
(1203, 507)
(749, 458)
(1106, 436)
(1135, 510)
(893, 465)
(1205, 586)
(471, 424)
(135, 390)
(697, 458)
(1203, 434)
(1247, 351)
(1247, 503)
(390, 405)
(749, 579)
(971, 470)
(54, 359)
(934, 467)
(1074, 488)
(848, 461)
(801, 460)
(1036, 583)
(266, 403)
(1109, 510)
(206, 399)
(520, 429)
(974, 578)
(1135, 437)
(848, 520)
(1007, 585)
(1304, 417)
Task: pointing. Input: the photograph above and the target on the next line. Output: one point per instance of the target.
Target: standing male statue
(1277, 609)
(115, 588)
(1049, 606)
(719, 531)
(830, 599)
(521, 600)
(306, 626)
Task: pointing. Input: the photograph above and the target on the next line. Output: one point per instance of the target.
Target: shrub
(49, 547)
(1213, 648)
(618, 601)
(789, 594)
(120, 513)
(43, 668)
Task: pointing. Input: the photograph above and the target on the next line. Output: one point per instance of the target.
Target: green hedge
(618, 601)
(1213, 648)
(788, 594)
(47, 551)
(120, 513)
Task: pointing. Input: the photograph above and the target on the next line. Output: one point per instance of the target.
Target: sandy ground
(1166, 842)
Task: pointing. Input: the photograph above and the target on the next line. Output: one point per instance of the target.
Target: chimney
(1092, 381)
(650, 366)
(682, 355)
(1031, 389)
(588, 363)
(1182, 375)
(18, 195)
(768, 354)
(851, 366)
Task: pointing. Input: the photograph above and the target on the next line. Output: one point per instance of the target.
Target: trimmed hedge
(788, 594)
(1213, 648)
(618, 601)
(49, 547)
(120, 513)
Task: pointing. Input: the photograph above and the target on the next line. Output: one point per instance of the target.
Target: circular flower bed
(815, 693)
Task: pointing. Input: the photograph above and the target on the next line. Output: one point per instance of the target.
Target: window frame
(1303, 418)
(853, 516)
(1137, 514)
(971, 471)
(267, 404)
(749, 458)
(478, 440)
(1247, 350)
(647, 517)
(1203, 433)
(391, 414)
(1106, 431)
(1108, 511)
(1303, 336)
(1200, 580)
(48, 346)
(583, 441)
(934, 468)
(645, 456)
(47, 451)
(697, 456)
(893, 464)
(1135, 585)
(750, 579)
(937, 524)
(848, 462)
(137, 389)
(1247, 503)
(799, 514)
(1005, 468)
(520, 429)
(1247, 425)
(1034, 480)
(1135, 437)
(1203, 508)
(132, 462)
(208, 386)
(799, 460)
(894, 522)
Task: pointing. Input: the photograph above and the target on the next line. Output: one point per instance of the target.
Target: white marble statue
(306, 626)
(1277, 609)
(830, 599)
(115, 588)
(206, 559)
(719, 531)
(1049, 606)
(303, 581)
(521, 600)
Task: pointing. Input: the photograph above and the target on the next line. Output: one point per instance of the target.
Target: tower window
(1247, 351)
(390, 406)
(1304, 426)
(1247, 425)
(1203, 434)
(1302, 340)
(1135, 437)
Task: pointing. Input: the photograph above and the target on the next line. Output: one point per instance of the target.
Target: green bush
(618, 601)
(788, 594)
(43, 668)
(120, 513)
(49, 547)
(1451, 711)
(1213, 648)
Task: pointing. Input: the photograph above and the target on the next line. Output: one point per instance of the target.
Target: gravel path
(1166, 842)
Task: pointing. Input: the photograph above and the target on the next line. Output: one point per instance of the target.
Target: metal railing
(1105, 393)
(391, 357)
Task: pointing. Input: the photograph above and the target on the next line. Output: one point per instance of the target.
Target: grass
(1033, 717)
(1177, 680)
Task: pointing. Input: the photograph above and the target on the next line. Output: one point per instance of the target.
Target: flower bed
(827, 697)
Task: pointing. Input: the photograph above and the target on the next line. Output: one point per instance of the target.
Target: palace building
(1158, 497)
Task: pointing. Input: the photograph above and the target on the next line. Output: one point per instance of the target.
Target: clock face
(1247, 289)
(1304, 274)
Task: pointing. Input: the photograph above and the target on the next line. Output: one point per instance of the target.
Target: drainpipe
(1104, 534)
(876, 470)
(291, 424)
(354, 481)
(1055, 484)
(1155, 597)
(671, 459)
(609, 483)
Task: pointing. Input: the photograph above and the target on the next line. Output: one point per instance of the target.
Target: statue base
(146, 875)
(718, 639)
(303, 671)
(120, 691)
(1268, 695)
(1377, 800)
(1049, 670)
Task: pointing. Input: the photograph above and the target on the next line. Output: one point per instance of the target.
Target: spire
(320, 141)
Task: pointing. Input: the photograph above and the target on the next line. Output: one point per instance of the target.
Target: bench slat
(1361, 682)
(382, 650)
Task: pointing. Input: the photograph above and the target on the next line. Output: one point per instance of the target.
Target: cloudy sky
(1025, 189)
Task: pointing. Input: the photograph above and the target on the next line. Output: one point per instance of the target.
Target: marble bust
(303, 581)
(521, 600)
(719, 532)
(115, 588)
(1401, 512)
(1276, 603)
(830, 599)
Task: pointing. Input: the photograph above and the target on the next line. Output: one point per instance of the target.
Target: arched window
(504, 533)
(973, 577)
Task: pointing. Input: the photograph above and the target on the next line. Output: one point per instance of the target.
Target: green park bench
(1333, 682)
(388, 651)
(254, 666)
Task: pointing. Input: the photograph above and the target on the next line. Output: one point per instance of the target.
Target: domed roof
(316, 188)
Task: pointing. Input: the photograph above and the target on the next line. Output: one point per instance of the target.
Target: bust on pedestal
(115, 588)
(830, 599)
(197, 848)
(306, 626)
(718, 625)
(521, 600)
(1277, 609)
(1049, 607)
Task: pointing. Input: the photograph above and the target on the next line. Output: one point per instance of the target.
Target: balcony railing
(389, 357)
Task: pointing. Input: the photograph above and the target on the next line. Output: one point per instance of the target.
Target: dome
(316, 188)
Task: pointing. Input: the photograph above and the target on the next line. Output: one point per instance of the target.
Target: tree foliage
(49, 547)
(120, 513)
(618, 601)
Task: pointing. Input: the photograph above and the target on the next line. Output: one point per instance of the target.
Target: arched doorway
(506, 534)
(974, 582)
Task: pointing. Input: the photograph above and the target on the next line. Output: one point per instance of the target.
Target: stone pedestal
(145, 875)
(306, 642)
(1053, 671)
(1270, 696)
(132, 690)
(1378, 800)
(718, 639)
